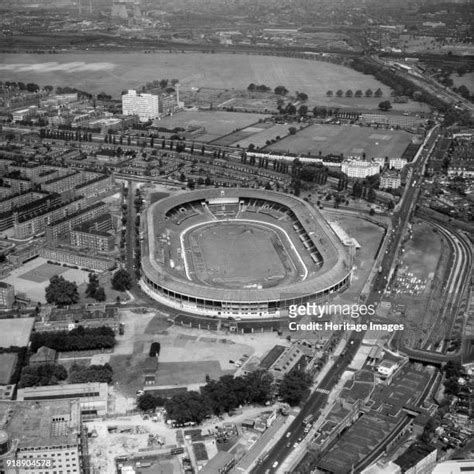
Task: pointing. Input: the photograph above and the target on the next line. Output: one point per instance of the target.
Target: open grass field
(464, 80)
(32, 278)
(238, 255)
(216, 123)
(259, 138)
(15, 332)
(349, 140)
(43, 273)
(114, 72)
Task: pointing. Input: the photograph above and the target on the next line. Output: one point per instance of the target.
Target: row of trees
(228, 393)
(52, 374)
(40, 375)
(92, 373)
(78, 339)
(94, 290)
(357, 93)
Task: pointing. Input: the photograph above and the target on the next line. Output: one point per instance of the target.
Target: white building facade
(360, 168)
(143, 105)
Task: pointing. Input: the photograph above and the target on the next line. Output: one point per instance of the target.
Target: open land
(186, 355)
(236, 255)
(32, 278)
(418, 280)
(215, 123)
(15, 332)
(464, 80)
(348, 140)
(114, 72)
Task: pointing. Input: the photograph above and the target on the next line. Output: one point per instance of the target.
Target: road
(317, 399)
(131, 234)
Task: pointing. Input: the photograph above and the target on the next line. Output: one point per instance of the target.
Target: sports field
(236, 255)
(43, 273)
(216, 123)
(114, 72)
(348, 140)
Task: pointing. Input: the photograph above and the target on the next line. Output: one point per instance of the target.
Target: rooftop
(336, 260)
(58, 422)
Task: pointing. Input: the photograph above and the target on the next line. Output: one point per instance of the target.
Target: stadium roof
(336, 260)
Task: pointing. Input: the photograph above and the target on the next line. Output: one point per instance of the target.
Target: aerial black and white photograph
(236, 236)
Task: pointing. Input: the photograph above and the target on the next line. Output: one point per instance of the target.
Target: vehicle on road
(308, 419)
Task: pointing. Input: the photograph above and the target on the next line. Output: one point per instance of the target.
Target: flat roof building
(143, 105)
(40, 432)
(92, 396)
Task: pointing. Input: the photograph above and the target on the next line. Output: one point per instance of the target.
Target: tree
(349, 93)
(92, 373)
(148, 402)
(61, 292)
(100, 294)
(464, 91)
(93, 285)
(302, 96)
(329, 93)
(294, 386)
(385, 105)
(340, 93)
(303, 110)
(281, 90)
(378, 93)
(369, 93)
(121, 280)
(371, 196)
(290, 109)
(251, 87)
(78, 339)
(358, 93)
(189, 406)
(40, 375)
(292, 130)
(417, 95)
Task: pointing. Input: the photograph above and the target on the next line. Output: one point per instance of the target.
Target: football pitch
(348, 140)
(238, 255)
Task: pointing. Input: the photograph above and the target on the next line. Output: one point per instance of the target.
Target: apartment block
(63, 227)
(143, 105)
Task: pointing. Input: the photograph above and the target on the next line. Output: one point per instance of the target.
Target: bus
(308, 419)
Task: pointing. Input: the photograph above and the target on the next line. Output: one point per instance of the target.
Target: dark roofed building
(221, 463)
(272, 356)
(417, 458)
(44, 355)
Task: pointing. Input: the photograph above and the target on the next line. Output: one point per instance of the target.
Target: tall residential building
(143, 105)
(7, 294)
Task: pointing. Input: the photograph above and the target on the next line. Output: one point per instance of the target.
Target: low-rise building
(397, 163)
(81, 260)
(356, 168)
(45, 436)
(221, 463)
(93, 396)
(390, 180)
